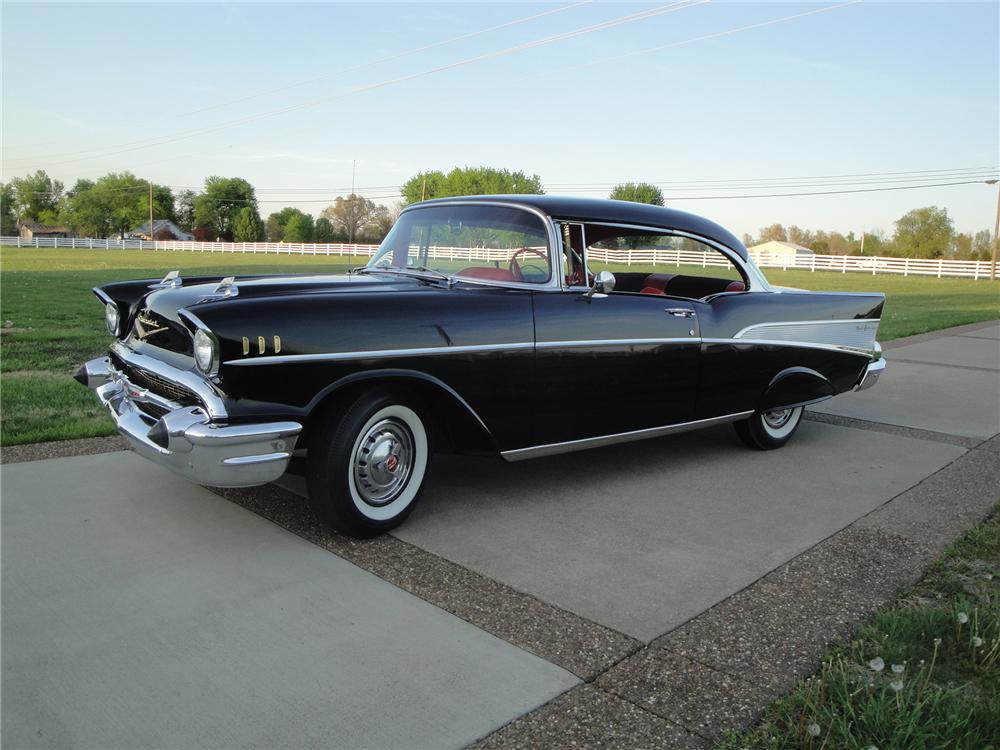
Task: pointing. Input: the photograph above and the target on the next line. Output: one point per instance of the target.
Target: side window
(664, 264)
(573, 254)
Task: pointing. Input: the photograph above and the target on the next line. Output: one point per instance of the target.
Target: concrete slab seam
(892, 429)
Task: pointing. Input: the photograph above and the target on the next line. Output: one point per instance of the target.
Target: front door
(613, 364)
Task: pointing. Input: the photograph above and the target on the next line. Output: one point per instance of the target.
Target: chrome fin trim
(856, 334)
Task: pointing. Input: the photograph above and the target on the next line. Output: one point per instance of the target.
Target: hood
(156, 320)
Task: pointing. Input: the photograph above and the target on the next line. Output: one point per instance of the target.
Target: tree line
(227, 209)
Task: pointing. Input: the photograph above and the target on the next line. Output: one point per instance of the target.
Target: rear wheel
(366, 471)
(767, 430)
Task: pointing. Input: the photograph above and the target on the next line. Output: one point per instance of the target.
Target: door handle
(680, 312)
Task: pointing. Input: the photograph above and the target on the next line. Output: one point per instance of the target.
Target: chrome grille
(158, 385)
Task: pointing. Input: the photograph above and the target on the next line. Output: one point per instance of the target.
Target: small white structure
(163, 229)
(777, 248)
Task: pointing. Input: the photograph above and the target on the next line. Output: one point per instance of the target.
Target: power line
(826, 192)
(553, 39)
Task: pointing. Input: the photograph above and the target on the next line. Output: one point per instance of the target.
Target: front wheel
(365, 472)
(767, 430)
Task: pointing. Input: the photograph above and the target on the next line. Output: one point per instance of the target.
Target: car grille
(158, 385)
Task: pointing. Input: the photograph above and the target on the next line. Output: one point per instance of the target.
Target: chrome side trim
(614, 342)
(857, 333)
(208, 394)
(379, 354)
(867, 353)
(537, 451)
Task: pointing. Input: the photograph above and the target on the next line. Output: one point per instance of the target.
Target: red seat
(652, 290)
(657, 281)
(736, 286)
(485, 272)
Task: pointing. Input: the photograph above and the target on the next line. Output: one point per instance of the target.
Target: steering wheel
(515, 268)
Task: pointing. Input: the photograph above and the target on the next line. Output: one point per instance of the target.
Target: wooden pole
(151, 236)
(996, 238)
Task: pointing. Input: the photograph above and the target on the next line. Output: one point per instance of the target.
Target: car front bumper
(186, 439)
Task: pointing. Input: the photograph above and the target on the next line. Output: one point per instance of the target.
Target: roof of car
(606, 210)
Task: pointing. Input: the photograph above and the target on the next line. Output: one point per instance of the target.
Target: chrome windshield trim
(379, 354)
(615, 342)
(794, 344)
(551, 234)
(208, 394)
(550, 449)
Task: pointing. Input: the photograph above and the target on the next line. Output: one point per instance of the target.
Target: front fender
(795, 386)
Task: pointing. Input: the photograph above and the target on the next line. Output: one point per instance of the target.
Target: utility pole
(152, 237)
(996, 229)
(862, 241)
(423, 189)
(354, 171)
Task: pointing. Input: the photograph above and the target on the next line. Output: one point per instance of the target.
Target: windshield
(493, 243)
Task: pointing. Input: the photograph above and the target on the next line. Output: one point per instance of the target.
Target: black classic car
(479, 326)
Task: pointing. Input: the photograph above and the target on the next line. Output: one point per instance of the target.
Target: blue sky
(866, 88)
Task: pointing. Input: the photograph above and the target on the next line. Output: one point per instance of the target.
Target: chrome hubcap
(777, 418)
(383, 462)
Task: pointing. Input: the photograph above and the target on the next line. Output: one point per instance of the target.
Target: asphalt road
(140, 611)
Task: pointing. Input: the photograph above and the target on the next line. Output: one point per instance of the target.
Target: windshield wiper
(425, 269)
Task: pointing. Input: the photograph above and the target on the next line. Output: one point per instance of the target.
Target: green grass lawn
(55, 323)
(922, 674)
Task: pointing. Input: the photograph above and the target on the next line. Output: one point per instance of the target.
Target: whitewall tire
(366, 471)
(767, 430)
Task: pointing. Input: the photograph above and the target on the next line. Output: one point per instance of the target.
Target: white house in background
(163, 229)
(778, 248)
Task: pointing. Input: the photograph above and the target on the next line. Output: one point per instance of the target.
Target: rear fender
(795, 386)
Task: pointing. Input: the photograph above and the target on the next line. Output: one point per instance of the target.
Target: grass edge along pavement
(56, 323)
(923, 671)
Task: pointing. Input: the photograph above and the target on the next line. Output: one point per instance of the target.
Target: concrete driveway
(141, 611)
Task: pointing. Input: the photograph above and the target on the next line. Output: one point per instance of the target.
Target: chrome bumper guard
(871, 374)
(185, 439)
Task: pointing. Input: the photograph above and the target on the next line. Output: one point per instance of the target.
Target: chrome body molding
(850, 334)
(537, 451)
(426, 351)
(278, 359)
(871, 375)
(185, 439)
(210, 396)
(868, 354)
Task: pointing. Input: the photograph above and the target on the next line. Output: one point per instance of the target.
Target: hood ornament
(227, 287)
(170, 281)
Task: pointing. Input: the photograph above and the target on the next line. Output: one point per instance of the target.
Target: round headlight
(111, 318)
(204, 351)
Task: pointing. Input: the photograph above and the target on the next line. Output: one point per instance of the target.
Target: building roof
(770, 245)
(620, 212)
(39, 228)
(159, 225)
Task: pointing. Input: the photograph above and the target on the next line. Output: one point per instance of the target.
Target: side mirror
(604, 284)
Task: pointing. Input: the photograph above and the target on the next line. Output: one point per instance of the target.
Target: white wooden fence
(939, 267)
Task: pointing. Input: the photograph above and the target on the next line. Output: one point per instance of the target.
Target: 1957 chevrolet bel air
(478, 326)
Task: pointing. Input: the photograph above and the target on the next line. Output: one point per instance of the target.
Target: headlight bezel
(204, 341)
(112, 318)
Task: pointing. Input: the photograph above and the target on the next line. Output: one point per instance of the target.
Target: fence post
(906, 266)
(874, 264)
(843, 264)
(940, 266)
(19, 240)
(629, 256)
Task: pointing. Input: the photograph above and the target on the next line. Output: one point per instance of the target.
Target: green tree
(469, 181)
(34, 194)
(924, 233)
(638, 192)
(276, 222)
(323, 231)
(299, 228)
(982, 245)
(248, 226)
(217, 208)
(8, 223)
(115, 204)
